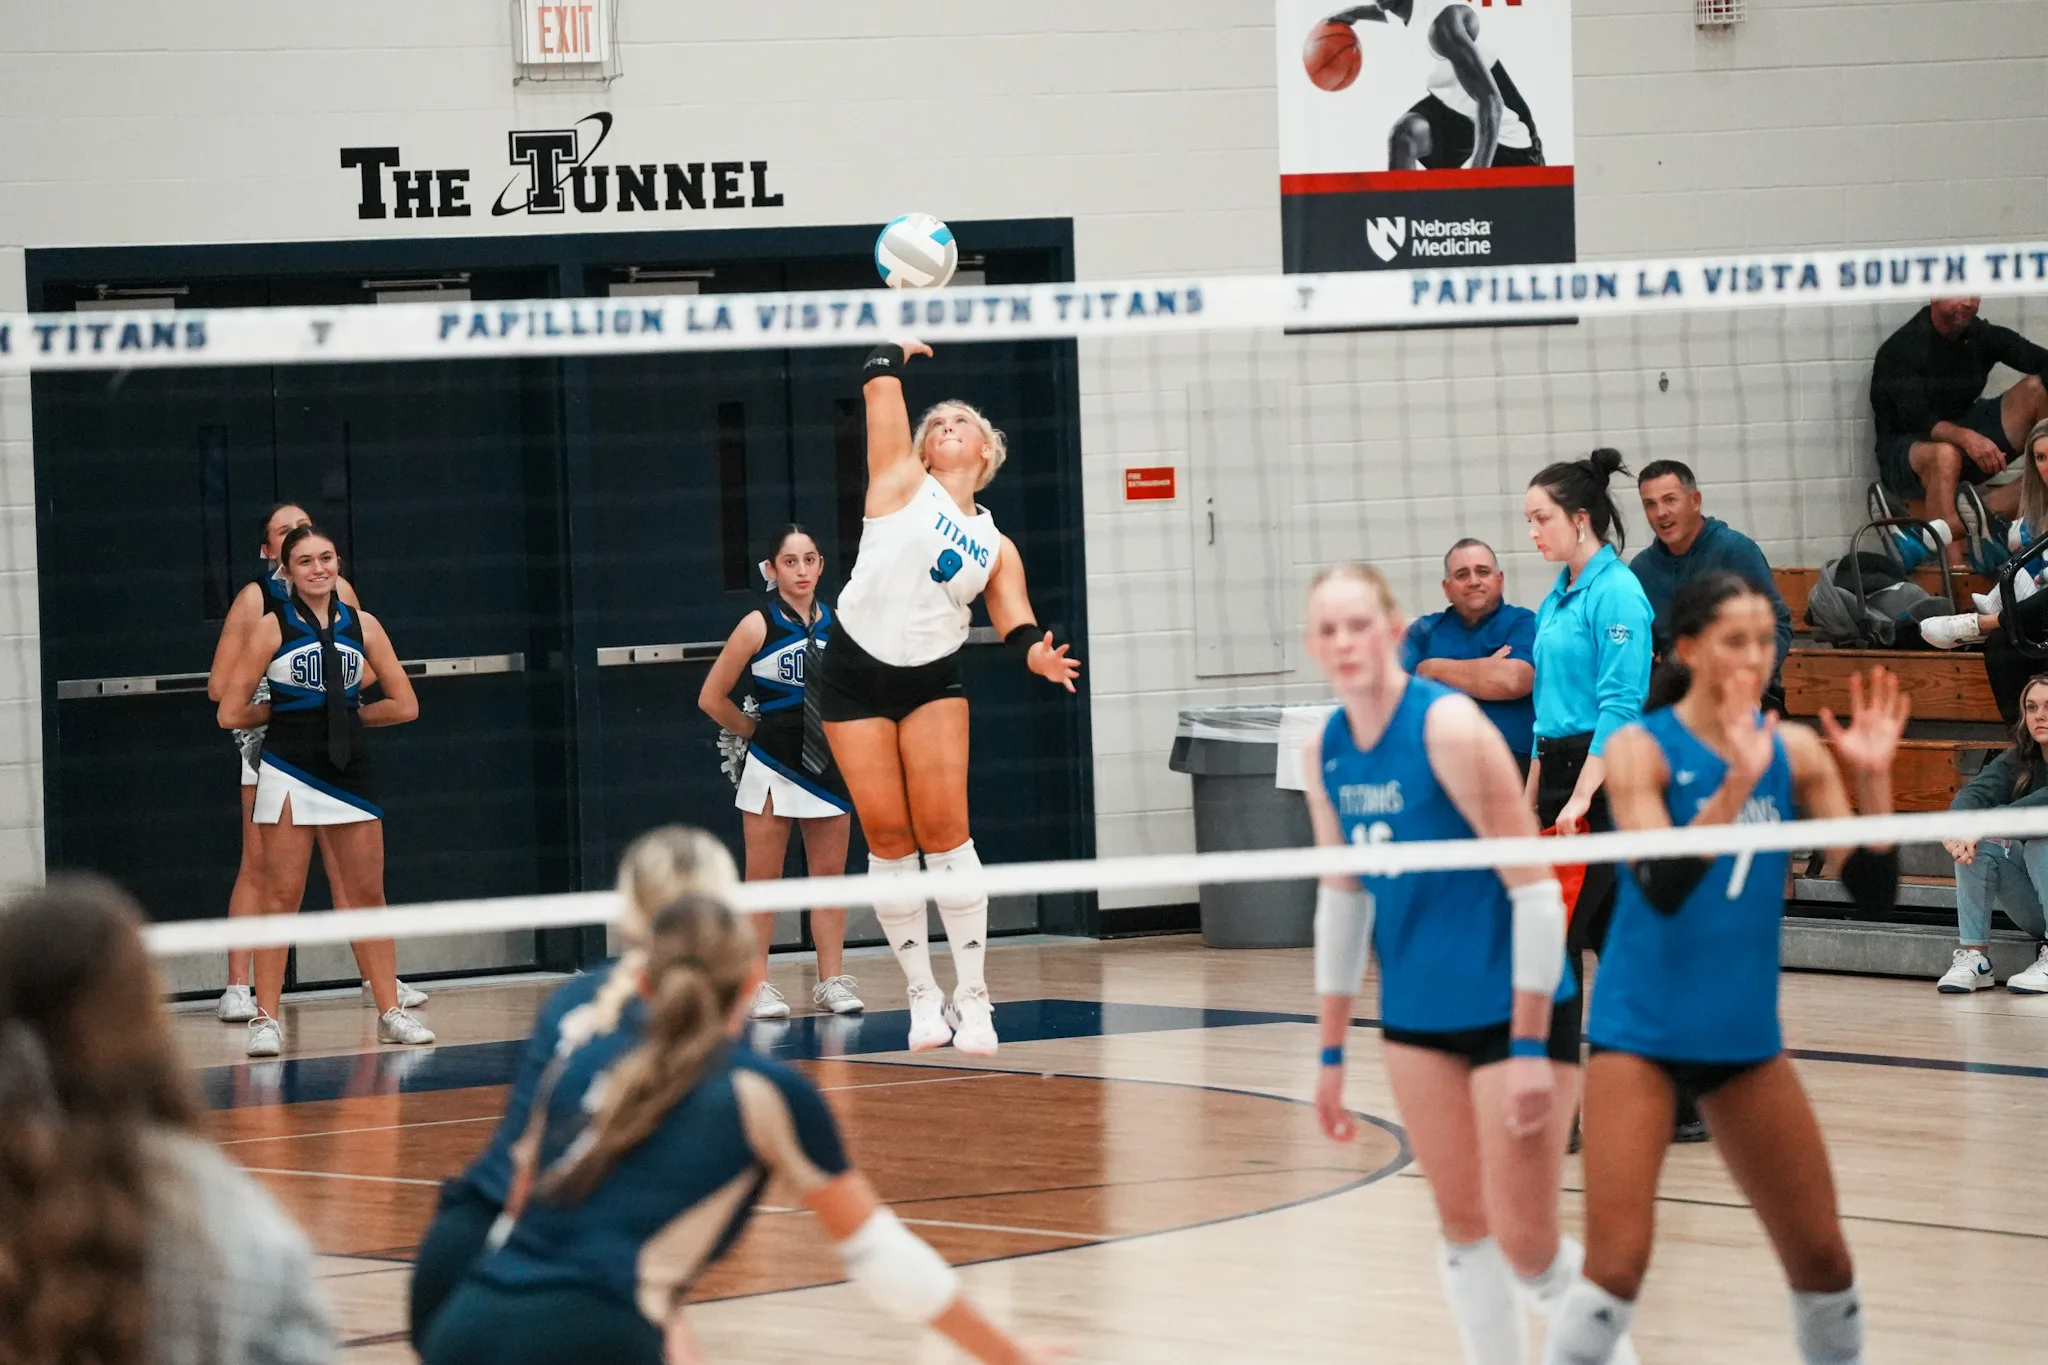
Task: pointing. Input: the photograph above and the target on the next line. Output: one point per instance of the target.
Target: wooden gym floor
(1137, 1172)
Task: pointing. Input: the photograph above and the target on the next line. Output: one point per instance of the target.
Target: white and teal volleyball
(916, 251)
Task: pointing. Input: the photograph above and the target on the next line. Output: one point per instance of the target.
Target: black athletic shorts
(1694, 1080)
(1986, 417)
(1452, 138)
(1485, 1046)
(853, 684)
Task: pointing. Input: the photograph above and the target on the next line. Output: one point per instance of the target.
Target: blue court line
(814, 1037)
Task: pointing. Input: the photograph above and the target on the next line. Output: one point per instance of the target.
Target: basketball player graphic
(1472, 116)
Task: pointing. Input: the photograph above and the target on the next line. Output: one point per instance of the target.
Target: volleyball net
(556, 507)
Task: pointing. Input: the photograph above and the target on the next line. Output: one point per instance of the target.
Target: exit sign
(1149, 484)
(554, 34)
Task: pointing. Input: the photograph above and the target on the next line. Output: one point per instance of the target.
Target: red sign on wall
(1153, 484)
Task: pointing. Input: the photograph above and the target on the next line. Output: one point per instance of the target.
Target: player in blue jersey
(314, 776)
(1687, 998)
(658, 867)
(1483, 1064)
(645, 1154)
(788, 774)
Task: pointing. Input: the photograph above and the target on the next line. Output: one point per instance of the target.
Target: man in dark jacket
(1933, 428)
(1689, 544)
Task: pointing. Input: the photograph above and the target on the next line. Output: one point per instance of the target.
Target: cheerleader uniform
(905, 611)
(1696, 992)
(249, 743)
(315, 752)
(775, 755)
(1445, 940)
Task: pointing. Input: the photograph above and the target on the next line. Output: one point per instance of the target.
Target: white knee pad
(896, 912)
(963, 860)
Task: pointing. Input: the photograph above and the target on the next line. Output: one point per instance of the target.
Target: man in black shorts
(1473, 115)
(1933, 430)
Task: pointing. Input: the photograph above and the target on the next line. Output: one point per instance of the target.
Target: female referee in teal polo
(1592, 660)
(1592, 675)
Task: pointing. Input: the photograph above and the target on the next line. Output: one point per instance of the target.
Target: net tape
(1108, 874)
(1165, 306)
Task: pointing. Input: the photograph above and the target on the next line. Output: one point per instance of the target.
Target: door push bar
(704, 651)
(469, 665)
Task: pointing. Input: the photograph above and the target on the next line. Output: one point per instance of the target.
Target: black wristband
(1872, 879)
(1666, 882)
(885, 361)
(1020, 640)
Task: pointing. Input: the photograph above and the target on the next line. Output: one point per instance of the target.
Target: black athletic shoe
(1576, 1142)
(1696, 1131)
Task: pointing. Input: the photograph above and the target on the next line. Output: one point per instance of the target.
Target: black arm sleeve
(1872, 880)
(1666, 882)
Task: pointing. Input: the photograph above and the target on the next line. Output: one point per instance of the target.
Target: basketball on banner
(1416, 133)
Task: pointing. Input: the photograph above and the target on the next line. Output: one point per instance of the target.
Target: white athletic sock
(1589, 1327)
(1546, 1290)
(1481, 1288)
(1829, 1327)
(965, 917)
(903, 921)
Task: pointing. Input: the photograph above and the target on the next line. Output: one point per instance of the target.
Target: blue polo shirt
(1446, 636)
(1592, 652)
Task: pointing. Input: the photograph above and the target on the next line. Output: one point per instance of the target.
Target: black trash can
(1232, 754)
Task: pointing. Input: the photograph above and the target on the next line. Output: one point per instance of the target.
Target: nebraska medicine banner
(1425, 134)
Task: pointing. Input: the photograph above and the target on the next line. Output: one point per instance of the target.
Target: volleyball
(916, 251)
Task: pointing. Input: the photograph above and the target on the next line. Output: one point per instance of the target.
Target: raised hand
(1054, 665)
(1750, 745)
(1877, 717)
(912, 346)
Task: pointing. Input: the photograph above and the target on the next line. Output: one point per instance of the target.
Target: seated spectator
(1689, 544)
(1482, 646)
(126, 1236)
(2003, 874)
(1969, 628)
(1934, 431)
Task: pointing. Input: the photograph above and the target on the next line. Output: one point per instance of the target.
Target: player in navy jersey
(262, 595)
(644, 1155)
(313, 778)
(1483, 1064)
(658, 867)
(788, 773)
(1687, 998)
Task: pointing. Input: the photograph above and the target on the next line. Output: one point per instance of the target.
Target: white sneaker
(835, 993)
(1949, 632)
(2034, 980)
(768, 1004)
(928, 1027)
(266, 1036)
(1968, 971)
(409, 997)
(237, 1005)
(974, 1022)
(396, 1026)
(1991, 604)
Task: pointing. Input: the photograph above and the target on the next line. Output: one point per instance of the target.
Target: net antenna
(565, 41)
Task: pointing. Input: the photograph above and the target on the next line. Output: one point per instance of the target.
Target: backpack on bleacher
(1867, 600)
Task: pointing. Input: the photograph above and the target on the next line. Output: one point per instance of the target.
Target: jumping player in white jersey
(1482, 1040)
(889, 687)
(1473, 115)
(261, 596)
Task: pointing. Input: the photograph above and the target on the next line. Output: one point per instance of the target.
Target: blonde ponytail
(659, 866)
(699, 956)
